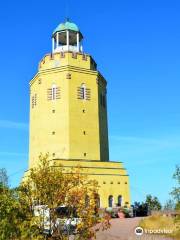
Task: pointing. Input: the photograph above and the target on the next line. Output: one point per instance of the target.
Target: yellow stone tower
(68, 115)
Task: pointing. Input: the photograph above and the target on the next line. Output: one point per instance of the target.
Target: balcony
(66, 48)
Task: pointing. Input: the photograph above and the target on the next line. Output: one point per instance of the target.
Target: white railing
(66, 48)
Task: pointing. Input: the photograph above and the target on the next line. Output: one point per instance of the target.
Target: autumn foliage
(45, 188)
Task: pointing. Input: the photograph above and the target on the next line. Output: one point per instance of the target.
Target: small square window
(53, 154)
(53, 111)
(118, 182)
(39, 81)
(84, 132)
(84, 154)
(111, 182)
(83, 111)
(53, 133)
(125, 182)
(68, 76)
(104, 182)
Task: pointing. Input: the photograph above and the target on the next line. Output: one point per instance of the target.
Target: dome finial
(67, 19)
(67, 37)
(67, 25)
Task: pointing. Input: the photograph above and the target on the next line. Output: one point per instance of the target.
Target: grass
(162, 222)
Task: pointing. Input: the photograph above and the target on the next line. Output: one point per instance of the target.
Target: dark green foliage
(176, 190)
(144, 208)
(140, 209)
(153, 203)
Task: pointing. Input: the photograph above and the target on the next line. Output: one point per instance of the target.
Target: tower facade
(68, 115)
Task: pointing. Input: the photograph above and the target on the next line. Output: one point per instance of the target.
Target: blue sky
(137, 48)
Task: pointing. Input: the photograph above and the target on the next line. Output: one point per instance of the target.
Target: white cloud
(14, 125)
(165, 142)
(139, 150)
(16, 154)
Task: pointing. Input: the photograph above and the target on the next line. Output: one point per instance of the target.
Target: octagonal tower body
(68, 115)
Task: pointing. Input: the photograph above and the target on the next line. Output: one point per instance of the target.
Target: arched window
(34, 100)
(54, 92)
(83, 91)
(110, 201)
(120, 200)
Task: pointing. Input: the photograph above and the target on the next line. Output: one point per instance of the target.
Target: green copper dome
(66, 26)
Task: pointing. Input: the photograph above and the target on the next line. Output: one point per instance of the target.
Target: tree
(50, 187)
(24, 210)
(169, 205)
(140, 209)
(3, 177)
(176, 190)
(153, 203)
(14, 214)
(7, 207)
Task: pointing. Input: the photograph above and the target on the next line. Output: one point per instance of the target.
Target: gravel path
(123, 229)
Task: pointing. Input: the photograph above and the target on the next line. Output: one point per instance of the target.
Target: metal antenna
(67, 10)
